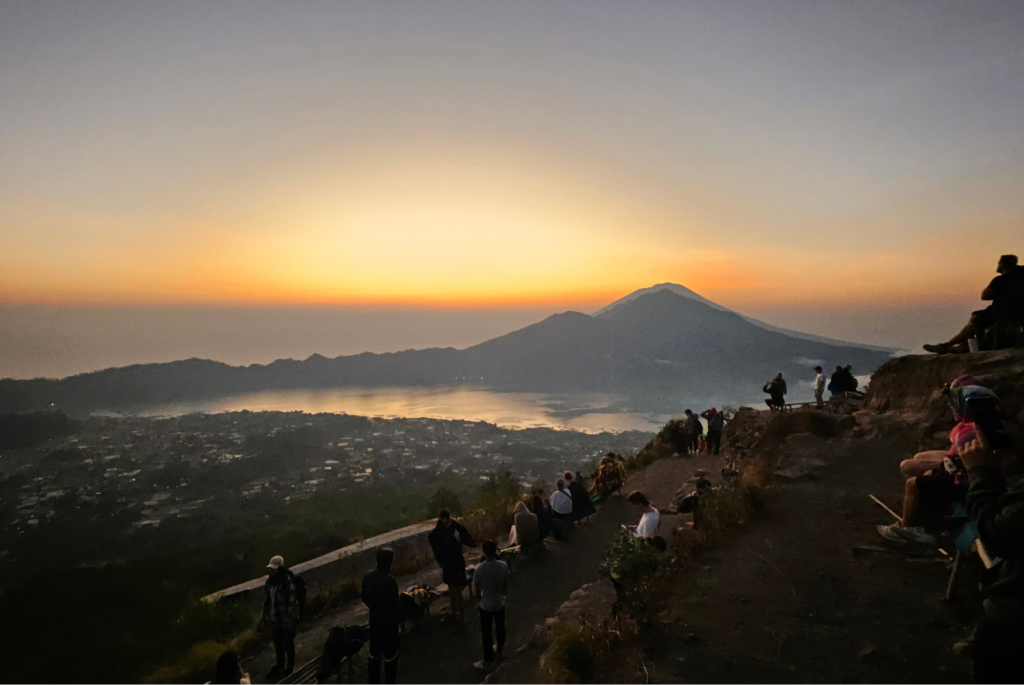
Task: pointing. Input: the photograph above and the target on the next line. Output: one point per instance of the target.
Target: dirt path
(784, 599)
(435, 652)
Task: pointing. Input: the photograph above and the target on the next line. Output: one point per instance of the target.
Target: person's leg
(289, 649)
(714, 442)
(499, 623)
(486, 618)
(922, 463)
(391, 660)
(460, 600)
(911, 498)
(373, 663)
(278, 635)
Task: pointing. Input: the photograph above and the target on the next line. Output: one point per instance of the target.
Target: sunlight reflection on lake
(589, 412)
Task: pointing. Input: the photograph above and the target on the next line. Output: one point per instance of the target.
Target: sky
(240, 180)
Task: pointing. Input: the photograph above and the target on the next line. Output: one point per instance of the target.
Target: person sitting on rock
(526, 527)
(542, 511)
(561, 511)
(650, 519)
(582, 507)
(1006, 293)
(776, 389)
(608, 479)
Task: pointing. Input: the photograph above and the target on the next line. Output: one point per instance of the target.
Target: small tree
(444, 498)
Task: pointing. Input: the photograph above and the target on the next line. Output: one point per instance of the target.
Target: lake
(589, 412)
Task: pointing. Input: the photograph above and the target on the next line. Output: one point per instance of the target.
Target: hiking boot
(941, 348)
(897, 533)
(482, 665)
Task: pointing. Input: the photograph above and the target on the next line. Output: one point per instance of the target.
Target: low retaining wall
(331, 568)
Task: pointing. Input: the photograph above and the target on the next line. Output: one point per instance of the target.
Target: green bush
(631, 559)
(444, 498)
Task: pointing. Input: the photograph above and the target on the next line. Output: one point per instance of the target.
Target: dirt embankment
(806, 590)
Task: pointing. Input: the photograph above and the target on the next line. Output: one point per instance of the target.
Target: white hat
(276, 562)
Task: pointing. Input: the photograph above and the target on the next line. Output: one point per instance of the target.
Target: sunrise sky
(845, 168)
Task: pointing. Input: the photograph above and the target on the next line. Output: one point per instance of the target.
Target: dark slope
(655, 343)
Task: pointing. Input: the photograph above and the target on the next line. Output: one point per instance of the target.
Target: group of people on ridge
(975, 490)
(693, 431)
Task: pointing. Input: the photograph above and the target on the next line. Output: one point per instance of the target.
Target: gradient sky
(848, 168)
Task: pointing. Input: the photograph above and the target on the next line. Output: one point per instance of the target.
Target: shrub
(444, 498)
(631, 559)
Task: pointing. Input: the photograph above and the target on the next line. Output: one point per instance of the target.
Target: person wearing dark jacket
(998, 513)
(582, 507)
(281, 613)
(776, 388)
(716, 424)
(446, 541)
(692, 430)
(538, 507)
(380, 595)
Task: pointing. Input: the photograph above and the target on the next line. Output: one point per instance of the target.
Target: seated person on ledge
(990, 325)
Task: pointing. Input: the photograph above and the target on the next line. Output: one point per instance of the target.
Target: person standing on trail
(380, 595)
(692, 430)
(491, 577)
(716, 424)
(446, 541)
(819, 387)
(281, 613)
(649, 516)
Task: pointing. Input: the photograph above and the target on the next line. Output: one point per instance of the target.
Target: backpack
(300, 592)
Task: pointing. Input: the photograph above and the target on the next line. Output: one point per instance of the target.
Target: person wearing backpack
(284, 594)
(716, 423)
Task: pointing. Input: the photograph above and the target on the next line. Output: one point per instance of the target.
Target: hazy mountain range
(653, 342)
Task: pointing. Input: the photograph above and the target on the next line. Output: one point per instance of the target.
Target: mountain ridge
(651, 344)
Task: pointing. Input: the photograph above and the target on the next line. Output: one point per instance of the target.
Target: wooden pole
(983, 553)
(882, 504)
(952, 576)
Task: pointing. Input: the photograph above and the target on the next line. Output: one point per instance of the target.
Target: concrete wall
(348, 562)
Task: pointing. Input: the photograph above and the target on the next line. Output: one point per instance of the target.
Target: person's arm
(997, 513)
(464, 536)
(989, 293)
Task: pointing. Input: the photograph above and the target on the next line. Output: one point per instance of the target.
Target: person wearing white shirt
(561, 501)
(649, 516)
(819, 386)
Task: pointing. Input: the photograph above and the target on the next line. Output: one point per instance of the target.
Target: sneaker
(482, 665)
(897, 533)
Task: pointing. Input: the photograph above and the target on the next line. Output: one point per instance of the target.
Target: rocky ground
(809, 592)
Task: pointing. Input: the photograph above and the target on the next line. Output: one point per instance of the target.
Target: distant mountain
(653, 342)
(686, 292)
